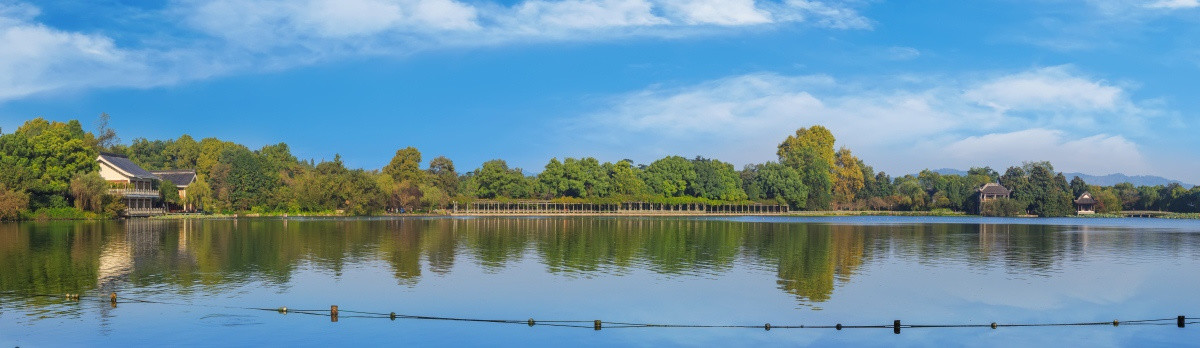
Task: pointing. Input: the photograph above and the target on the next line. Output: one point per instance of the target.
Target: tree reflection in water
(809, 259)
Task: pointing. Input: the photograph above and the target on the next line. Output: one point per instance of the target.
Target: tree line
(48, 170)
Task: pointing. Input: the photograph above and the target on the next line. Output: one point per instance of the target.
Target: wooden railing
(143, 211)
(133, 192)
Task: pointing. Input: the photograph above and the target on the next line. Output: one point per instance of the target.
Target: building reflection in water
(807, 260)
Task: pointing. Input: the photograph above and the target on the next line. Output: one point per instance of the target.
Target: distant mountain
(1104, 180)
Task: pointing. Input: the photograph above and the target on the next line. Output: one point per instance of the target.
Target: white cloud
(1100, 154)
(1174, 4)
(240, 35)
(897, 124)
(1047, 89)
(273, 23)
(827, 15)
(398, 23)
(719, 12)
(35, 58)
(902, 53)
(534, 16)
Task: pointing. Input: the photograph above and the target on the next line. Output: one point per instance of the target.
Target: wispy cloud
(35, 58)
(218, 37)
(1174, 4)
(894, 123)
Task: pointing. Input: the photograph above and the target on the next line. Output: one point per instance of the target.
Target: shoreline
(830, 213)
(834, 213)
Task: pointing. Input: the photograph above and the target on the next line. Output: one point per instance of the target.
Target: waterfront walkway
(624, 208)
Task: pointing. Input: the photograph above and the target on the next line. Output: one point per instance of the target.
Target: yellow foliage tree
(848, 176)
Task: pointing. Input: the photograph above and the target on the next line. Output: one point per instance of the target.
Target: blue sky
(1097, 86)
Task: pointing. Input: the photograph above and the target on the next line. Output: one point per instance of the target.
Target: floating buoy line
(334, 314)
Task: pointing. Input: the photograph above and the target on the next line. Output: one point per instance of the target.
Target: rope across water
(334, 313)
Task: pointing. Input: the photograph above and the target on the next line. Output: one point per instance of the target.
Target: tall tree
(810, 152)
(185, 151)
(781, 183)
(199, 195)
(624, 179)
(441, 172)
(405, 165)
(1078, 186)
(817, 138)
(49, 155)
(239, 179)
(669, 176)
(495, 179)
(716, 180)
(106, 138)
(168, 192)
(848, 176)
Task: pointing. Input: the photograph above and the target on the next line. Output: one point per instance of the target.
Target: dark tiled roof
(127, 166)
(1085, 198)
(180, 178)
(995, 189)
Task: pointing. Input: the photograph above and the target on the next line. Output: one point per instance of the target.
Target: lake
(198, 281)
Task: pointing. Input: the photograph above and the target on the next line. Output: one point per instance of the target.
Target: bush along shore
(48, 170)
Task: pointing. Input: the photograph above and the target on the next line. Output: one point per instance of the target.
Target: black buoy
(1179, 321)
(392, 316)
(531, 322)
(993, 325)
(896, 327)
(839, 326)
(767, 326)
(1116, 322)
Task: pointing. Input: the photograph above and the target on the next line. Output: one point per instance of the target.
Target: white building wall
(111, 174)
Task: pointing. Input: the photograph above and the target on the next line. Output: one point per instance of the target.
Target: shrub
(1002, 207)
(12, 203)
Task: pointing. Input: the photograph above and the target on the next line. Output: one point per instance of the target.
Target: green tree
(51, 153)
(817, 138)
(987, 172)
(817, 177)
(151, 154)
(716, 180)
(1036, 184)
(1106, 201)
(168, 192)
(810, 152)
(669, 176)
(362, 195)
(185, 152)
(624, 179)
(495, 179)
(1078, 186)
(441, 172)
(239, 179)
(405, 165)
(1002, 207)
(199, 195)
(89, 191)
(781, 183)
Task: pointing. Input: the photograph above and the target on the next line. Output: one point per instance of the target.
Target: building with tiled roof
(1085, 204)
(134, 185)
(181, 179)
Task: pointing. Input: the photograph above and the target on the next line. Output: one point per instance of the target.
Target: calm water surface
(743, 271)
